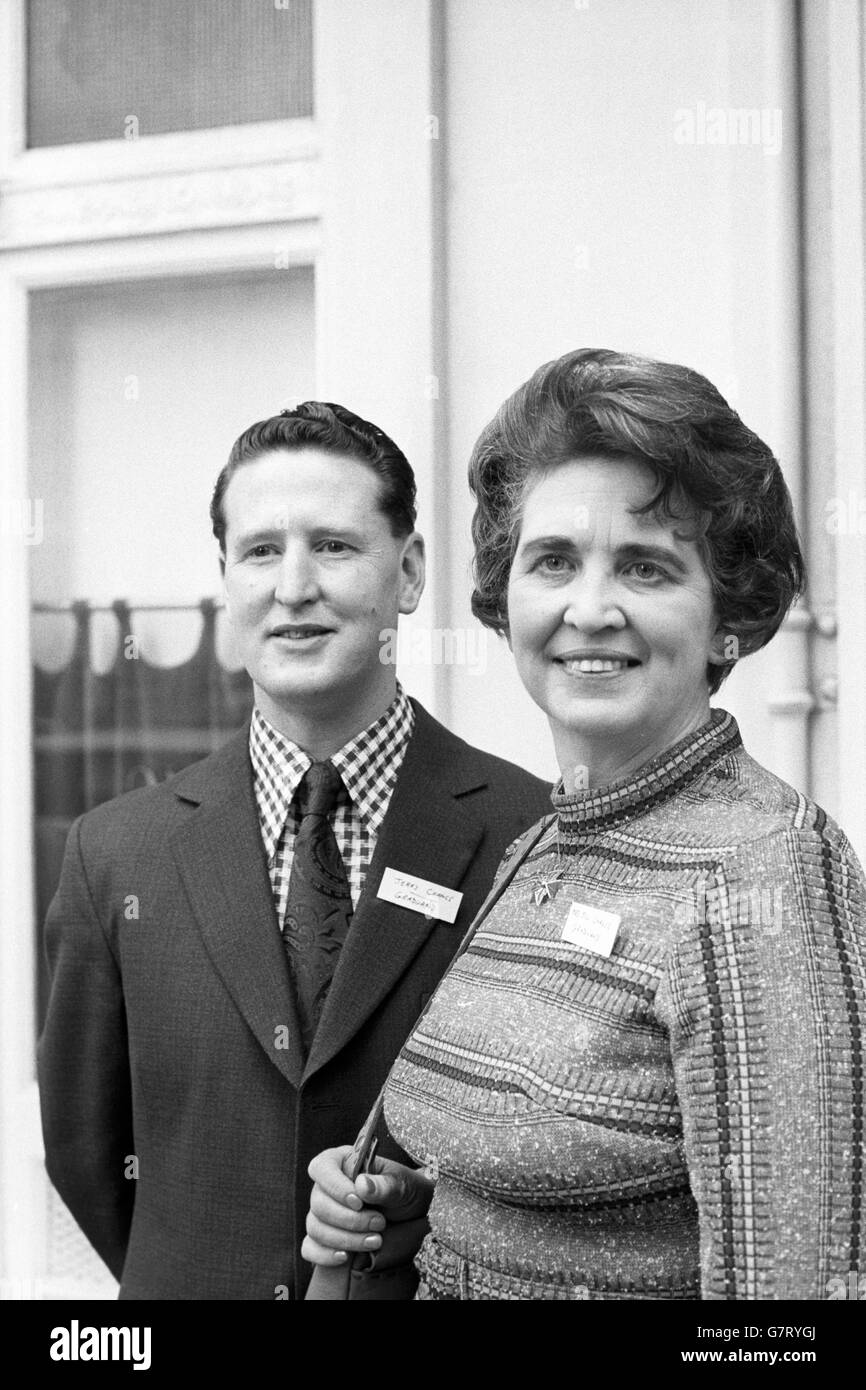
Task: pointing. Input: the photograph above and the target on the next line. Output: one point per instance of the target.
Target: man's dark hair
(709, 468)
(323, 425)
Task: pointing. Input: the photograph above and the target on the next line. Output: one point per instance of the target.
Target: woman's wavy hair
(709, 468)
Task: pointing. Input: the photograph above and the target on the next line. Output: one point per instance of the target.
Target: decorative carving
(278, 191)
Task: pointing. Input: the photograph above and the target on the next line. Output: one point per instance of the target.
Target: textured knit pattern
(683, 1118)
(368, 765)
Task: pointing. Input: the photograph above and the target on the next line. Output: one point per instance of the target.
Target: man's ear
(413, 565)
(226, 600)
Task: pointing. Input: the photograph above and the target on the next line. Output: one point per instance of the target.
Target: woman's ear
(724, 647)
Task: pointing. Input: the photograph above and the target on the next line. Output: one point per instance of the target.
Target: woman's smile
(596, 663)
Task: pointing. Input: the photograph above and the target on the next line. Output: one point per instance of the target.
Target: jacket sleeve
(764, 1004)
(83, 1067)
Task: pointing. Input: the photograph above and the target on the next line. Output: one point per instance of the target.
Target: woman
(644, 1077)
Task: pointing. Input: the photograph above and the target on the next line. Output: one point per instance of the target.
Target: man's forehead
(285, 480)
(308, 460)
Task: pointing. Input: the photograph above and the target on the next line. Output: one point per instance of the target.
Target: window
(102, 69)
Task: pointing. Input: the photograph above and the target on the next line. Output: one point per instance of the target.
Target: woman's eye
(646, 569)
(552, 564)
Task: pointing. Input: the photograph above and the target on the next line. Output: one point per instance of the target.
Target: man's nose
(296, 580)
(593, 602)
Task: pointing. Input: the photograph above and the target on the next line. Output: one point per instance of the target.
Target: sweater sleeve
(763, 1000)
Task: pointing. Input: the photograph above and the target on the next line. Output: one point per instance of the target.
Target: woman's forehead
(585, 494)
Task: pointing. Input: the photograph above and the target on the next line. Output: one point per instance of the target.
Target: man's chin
(318, 692)
(300, 693)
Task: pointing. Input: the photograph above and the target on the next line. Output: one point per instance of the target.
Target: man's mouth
(299, 632)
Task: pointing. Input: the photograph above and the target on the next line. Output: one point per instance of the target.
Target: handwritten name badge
(591, 928)
(404, 890)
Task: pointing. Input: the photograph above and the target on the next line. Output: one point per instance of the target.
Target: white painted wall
(576, 218)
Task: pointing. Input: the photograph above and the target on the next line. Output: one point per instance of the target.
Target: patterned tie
(319, 908)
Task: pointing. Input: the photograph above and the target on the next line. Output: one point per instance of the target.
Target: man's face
(313, 575)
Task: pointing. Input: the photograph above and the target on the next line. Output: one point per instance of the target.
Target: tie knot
(318, 789)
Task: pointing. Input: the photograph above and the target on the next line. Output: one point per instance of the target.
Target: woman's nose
(296, 578)
(593, 603)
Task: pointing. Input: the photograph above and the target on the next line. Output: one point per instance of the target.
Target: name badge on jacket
(419, 895)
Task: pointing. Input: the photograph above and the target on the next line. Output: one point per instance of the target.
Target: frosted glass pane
(172, 64)
(137, 392)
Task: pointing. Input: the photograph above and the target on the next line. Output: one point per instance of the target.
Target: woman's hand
(340, 1222)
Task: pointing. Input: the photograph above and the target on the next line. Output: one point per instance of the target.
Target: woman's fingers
(316, 1254)
(330, 1212)
(326, 1170)
(348, 1218)
(336, 1237)
(402, 1193)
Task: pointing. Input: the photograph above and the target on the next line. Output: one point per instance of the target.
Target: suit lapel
(428, 833)
(221, 859)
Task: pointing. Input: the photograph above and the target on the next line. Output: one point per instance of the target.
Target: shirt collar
(373, 757)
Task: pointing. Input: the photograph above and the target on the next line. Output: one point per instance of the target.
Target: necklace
(549, 884)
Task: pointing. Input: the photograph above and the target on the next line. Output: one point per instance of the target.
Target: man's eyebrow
(257, 533)
(276, 526)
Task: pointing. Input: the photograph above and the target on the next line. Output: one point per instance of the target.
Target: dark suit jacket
(178, 1118)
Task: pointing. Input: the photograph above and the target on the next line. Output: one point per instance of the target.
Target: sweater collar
(601, 808)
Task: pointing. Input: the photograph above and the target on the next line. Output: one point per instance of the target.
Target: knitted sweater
(681, 1118)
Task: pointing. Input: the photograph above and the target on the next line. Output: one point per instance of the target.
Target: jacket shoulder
(162, 802)
(478, 768)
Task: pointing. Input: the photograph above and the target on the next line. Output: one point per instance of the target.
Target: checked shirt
(368, 765)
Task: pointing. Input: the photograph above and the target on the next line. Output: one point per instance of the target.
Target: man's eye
(259, 552)
(334, 547)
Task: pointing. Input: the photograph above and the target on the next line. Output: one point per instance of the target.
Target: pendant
(546, 891)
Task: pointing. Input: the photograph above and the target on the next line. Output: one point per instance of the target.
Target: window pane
(171, 64)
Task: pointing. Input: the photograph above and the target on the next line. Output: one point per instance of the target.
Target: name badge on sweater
(418, 894)
(591, 928)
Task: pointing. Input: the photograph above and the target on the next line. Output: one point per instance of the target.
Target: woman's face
(611, 618)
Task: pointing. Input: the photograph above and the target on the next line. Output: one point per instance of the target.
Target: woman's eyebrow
(546, 543)
(645, 550)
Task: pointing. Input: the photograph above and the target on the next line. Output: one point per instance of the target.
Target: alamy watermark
(438, 646)
(706, 904)
(22, 517)
(846, 516)
(727, 125)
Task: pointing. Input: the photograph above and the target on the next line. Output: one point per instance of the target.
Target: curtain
(97, 735)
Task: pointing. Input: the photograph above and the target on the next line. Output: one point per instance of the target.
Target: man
(238, 954)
